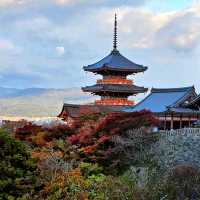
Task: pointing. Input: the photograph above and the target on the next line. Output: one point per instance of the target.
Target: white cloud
(67, 2)
(144, 29)
(13, 3)
(60, 51)
(7, 47)
(138, 28)
(107, 3)
(151, 38)
(6, 2)
(86, 3)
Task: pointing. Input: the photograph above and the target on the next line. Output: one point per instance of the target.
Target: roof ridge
(180, 89)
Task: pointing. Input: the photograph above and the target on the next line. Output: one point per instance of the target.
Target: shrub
(28, 130)
(18, 170)
(97, 139)
(42, 136)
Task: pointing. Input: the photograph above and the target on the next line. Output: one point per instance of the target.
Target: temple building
(114, 88)
(174, 107)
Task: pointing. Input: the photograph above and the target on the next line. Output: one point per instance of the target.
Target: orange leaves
(89, 149)
(68, 180)
(41, 155)
(38, 139)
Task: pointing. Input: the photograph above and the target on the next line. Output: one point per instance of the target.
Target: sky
(45, 43)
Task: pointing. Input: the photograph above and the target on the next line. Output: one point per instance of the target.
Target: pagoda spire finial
(115, 34)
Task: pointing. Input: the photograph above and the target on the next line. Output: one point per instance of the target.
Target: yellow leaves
(39, 139)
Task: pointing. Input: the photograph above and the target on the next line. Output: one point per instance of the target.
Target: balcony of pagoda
(114, 102)
(119, 81)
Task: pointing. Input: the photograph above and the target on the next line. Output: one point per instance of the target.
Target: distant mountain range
(39, 102)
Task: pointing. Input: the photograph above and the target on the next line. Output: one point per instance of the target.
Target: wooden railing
(115, 81)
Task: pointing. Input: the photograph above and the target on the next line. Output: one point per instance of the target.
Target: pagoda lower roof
(118, 88)
(115, 62)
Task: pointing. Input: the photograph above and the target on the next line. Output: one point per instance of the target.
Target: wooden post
(172, 122)
(181, 123)
(165, 123)
(189, 121)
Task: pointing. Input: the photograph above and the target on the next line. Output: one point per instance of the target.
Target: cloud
(144, 29)
(60, 51)
(101, 2)
(68, 2)
(6, 2)
(155, 39)
(14, 3)
(182, 31)
(8, 47)
(85, 3)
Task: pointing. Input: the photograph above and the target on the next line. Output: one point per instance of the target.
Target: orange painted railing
(115, 81)
(115, 102)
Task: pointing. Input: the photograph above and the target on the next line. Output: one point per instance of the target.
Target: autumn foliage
(98, 156)
(42, 136)
(95, 137)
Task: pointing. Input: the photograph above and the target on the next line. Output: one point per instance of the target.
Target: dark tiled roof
(75, 111)
(166, 90)
(159, 100)
(184, 110)
(115, 62)
(114, 88)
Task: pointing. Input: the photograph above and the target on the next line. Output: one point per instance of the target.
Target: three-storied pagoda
(114, 89)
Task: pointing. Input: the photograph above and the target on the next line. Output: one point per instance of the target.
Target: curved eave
(182, 111)
(117, 69)
(114, 89)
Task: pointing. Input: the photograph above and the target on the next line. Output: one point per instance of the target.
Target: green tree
(18, 171)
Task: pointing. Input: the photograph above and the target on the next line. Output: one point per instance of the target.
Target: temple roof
(115, 62)
(75, 111)
(160, 100)
(114, 88)
(184, 110)
(194, 103)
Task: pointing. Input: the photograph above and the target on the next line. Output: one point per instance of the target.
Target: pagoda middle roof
(133, 89)
(115, 61)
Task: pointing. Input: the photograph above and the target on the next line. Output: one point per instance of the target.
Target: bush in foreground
(17, 169)
(113, 141)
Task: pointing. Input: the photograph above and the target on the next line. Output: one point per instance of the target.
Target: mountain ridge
(39, 102)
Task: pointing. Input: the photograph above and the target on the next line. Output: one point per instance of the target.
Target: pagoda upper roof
(130, 89)
(115, 61)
